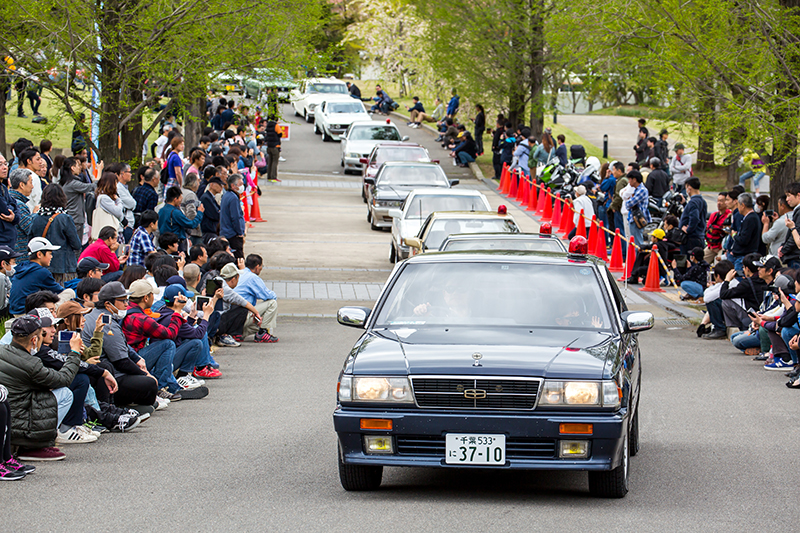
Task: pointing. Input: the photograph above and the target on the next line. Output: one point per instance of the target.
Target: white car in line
(420, 203)
(333, 116)
(312, 92)
(361, 137)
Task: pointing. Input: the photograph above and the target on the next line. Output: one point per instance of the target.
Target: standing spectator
(161, 141)
(774, 236)
(522, 153)
(172, 220)
(45, 147)
(618, 171)
(715, 230)
(8, 209)
(480, 127)
(581, 203)
(231, 216)
(175, 163)
(33, 276)
(190, 203)
(637, 207)
(657, 181)
(455, 102)
(748, 237)
(496, 136)
(662, 146)
(53, 223)
(210, 224)
(124, 176)
(693, 219)
(546, 151)
(145, 194)
(21, 182)
(680, 167)
(76, 190)
(253, 289)
(414, 111)
(756, 170)
(108, 209)
(640, 148)
(508, 144)
(274, 134)
(104, 250)
(31, 160)
(790, 251)
(197, 162)
(8, 264)
(561, 151)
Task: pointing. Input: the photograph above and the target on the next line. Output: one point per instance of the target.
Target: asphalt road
(719, 434)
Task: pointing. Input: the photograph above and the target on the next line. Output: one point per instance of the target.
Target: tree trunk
(537, 69)
(705, 141)
(4, 85)
(195, 122)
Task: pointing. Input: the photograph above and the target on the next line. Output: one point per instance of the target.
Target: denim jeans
(64, 399)
(206, 358)
(158, 357)
(692, 288)
(715, 313)
(750, 174)
(79, 388)
(187, 355)
(746, 339)
(638, 235)
(464, 158)
(786, 335)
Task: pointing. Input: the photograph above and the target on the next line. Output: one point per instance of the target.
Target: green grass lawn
(58, 128)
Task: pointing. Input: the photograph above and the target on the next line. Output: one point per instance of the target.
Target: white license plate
(475, 449)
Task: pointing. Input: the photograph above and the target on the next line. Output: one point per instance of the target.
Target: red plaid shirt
(139, 328)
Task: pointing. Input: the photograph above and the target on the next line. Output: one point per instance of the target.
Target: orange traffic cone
(652, 283)
(547, 214)
(512, 193)
(593, 235)
(616, 265)
(505, 179)
(600, 247)
(557, 211)
(532, 196)
(630, 258)
(540, 203)
(526, 196)
(502, 179)
(255, 215)
(581, 227)
(568, 216)
(520, 186)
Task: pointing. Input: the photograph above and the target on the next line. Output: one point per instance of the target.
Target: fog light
(575, 449)
(378, 444)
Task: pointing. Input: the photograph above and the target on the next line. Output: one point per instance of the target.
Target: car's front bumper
(531, 439)
(352, 163)
(380, 216)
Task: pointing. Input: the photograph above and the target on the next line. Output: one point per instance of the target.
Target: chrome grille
(476, 393)
(434, 446)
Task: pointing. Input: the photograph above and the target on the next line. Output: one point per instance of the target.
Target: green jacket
(616, 203)
(34, 411)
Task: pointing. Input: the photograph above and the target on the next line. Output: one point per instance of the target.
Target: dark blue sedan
(523, 360)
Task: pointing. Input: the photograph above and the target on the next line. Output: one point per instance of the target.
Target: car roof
(340, 98)
(469, 214)
(510, 256)
(325, 80)
(371, 122)
(489, 236)
(447, 192)
(409, 164)
(394, 144)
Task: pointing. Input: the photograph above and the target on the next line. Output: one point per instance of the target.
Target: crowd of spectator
(116, 297)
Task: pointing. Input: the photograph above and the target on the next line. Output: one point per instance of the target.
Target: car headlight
(311, 107)
(386, 203)
(354, 155)
(375, 389)
(581, 394)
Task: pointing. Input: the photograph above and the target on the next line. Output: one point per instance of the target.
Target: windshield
(400, 154)
(441, 228)
(346, 107)
(496, 294)
(332, 88)
(535, 244)
(412, 176)
(374, 133)
(422, 205)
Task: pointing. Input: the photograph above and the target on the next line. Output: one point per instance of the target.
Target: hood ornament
(477, 356)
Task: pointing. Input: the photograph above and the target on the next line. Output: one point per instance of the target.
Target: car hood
(566, 354)
(345, 118)
(397, 192)
(362, 147)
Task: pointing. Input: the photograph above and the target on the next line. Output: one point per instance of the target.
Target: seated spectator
(436, 116)
(210, 224)
(135, 384)
(38, 397)
(88, 267)
(131, 274)
(748, 236)
(415, 111)
(104, 250)
(88, 290)
(235, 309)
(53, 222)
(695, 279)
(10, 468)
(642, 261)
(714, 316)
(467, 151)
(142, 238)
(191, 275)
(749, 340)
(172, 220)
(737, 294)
(33, 276)
(190, 203)
(169, 243)
(198, 255)
(8, 264)
(253, 289)
(779, 322)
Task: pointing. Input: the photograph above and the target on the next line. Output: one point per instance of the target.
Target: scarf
(48, 211)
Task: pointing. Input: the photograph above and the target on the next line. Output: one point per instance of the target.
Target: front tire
(393, 255)
(296, 112)
(316, 128)
(633, 436)
(309, 118)
(613, 483)
(358, 477)
(325, 137)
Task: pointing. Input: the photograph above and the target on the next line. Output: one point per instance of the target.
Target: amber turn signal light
(375, 423)
(569, 429)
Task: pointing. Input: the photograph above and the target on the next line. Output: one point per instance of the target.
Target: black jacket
(790, 250)
(498, 132)
(273, 137)
(480, 122)
(657, 183)
(751, 290)
(748, 238)
(210, 222)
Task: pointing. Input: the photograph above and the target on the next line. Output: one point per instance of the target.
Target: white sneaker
(280, 158)
(163, 403)
(87, 431)
(74, 436)
(189, 382)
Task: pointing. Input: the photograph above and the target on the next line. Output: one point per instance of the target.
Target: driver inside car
(454, 304)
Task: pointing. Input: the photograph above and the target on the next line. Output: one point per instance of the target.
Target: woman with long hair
(131, 274)
(75, 189)
(480, 127)
(54, 224)
(546, 149)
(108, 208)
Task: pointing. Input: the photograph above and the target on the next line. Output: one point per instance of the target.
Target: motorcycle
(671, 204)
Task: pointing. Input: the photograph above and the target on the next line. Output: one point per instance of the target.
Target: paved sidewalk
(311, 290)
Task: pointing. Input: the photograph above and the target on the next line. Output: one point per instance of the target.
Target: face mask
(120, 314)
(11, 272)
(757, 208)
(240, 190)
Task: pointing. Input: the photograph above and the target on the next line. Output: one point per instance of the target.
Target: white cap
(38, 244)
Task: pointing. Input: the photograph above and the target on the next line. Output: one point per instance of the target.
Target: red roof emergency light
(502, 210)
(546, 229)
(578, 248)
(388, 121)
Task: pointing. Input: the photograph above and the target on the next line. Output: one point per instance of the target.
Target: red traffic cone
(505, 179)
(246, 210)
(521, 189)
(547, 214)
(512, 193)
(532, 196)
(581, 227)
(652, 283)
(616, 265)
(600, 247)
(557, 211)
(593, 235)
(568, 216)
(502, 179)
(630, 258)
(540, 203)
(255, 215)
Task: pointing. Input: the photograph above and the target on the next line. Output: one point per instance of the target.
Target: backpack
(90, 204)
(164, 175)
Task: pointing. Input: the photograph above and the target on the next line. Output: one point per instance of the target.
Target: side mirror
(455, 182)
(405, 138)
(363, 161)
(354, 317)
(413, 242)
(396, 213)
(369, 181)
(635, 321)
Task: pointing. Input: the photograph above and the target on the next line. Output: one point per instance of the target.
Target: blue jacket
(61, 233)
(8, 230)
(561, 154)
(231, 216)
(694, 217)
(210, 223)
(172, 220)
(608, 186)
(30, 277)
(452, 107)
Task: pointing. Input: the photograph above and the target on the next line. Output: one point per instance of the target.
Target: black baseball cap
(770, 262)
(88, 264)
(25, 325)
(7, 254)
